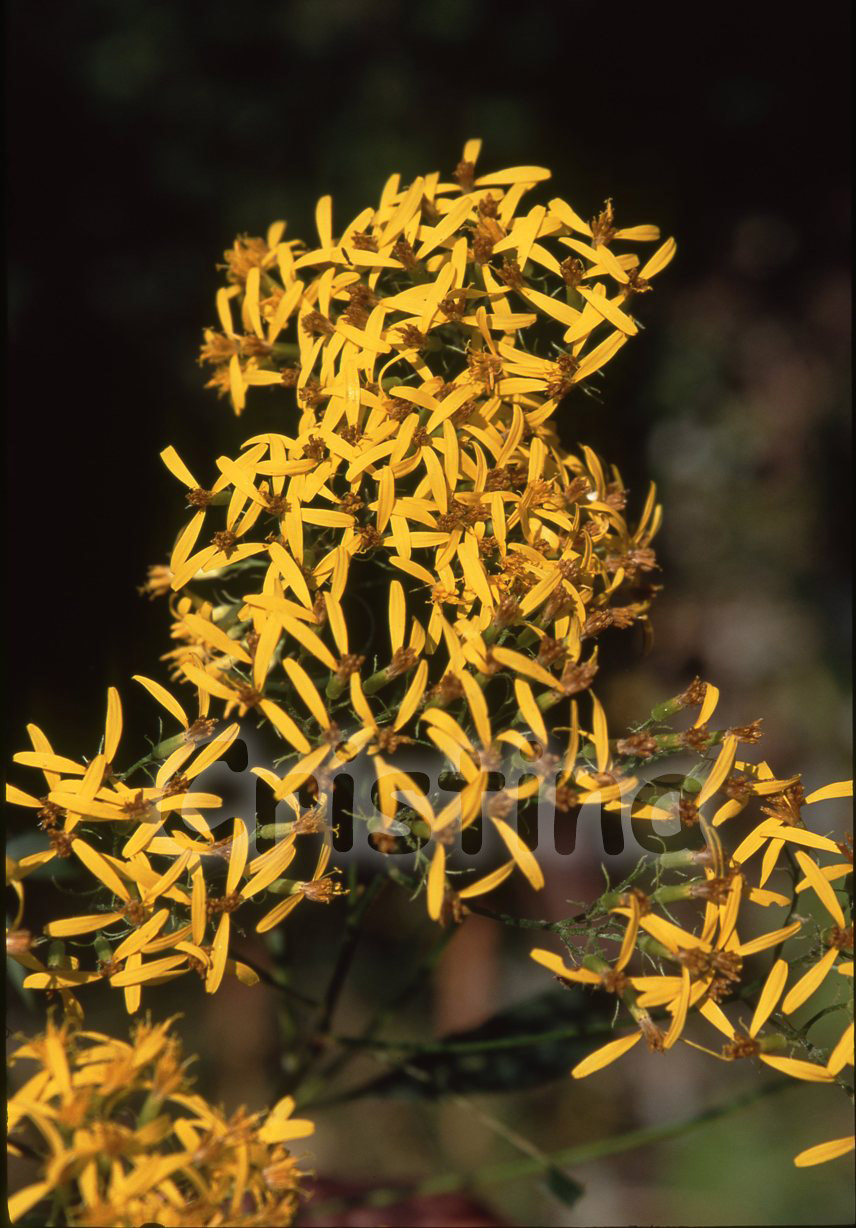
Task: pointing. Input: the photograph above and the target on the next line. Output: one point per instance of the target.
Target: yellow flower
(122, 1138)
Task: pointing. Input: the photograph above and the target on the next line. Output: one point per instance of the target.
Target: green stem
(526, 1166)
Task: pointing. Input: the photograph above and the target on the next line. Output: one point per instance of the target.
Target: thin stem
(512, 1170)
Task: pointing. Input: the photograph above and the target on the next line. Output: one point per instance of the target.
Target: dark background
(143, 136)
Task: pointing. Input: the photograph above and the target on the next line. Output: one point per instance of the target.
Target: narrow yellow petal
(162, 695)
(521, 853)
(600, 733)
(769, 996)
(822, 888)
(808, 1071)
(605, 1055)
(810, 982)
(437, 882)
(483, 885)
(113, 728)
(842, 788)
(718, 773)
(823, 1152)
(238, 856)
(101, 868)
(842, 1054)
(768, 940)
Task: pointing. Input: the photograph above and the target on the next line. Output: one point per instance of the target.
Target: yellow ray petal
(769, 996)
(605, 1055)
(821, 887)
(521, 853)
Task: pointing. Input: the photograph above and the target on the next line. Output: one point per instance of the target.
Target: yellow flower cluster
(434, 339)
(693, 966)
(122, 1138)
(429, 347)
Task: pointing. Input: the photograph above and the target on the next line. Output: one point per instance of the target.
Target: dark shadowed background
(143, 136)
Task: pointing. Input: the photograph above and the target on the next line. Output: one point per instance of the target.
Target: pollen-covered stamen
(226, 541)
(289, 376)
(572, 270)
(364, 241)
(388, 741)
(352, 503)
(698, 738)
(217, 348)
(501, 806)
(577, 677)
(447, 690)
(323, 890)
(402, 250)
(694, 695)
(255, 347)
(787, 805)
(136, 912)
(199, 497)
(361, 301)
(506, 477)
(640, 745)
(178, 784)
(109, 967)
(632, 562)
(215, 905)
(597, 622)
(158, 582)
(561, 383)
(315, 448)
(246, 253)
(137, 807)
(687, 811)
(749, 734)
(370, 538)
(317, 325)
(50, 814)
(403, 659)
(840, 938)
(615, 497)
(411, 337)
(484, 366)
(602, 226)
(398, 409)
(248, 696)
(464, 175)
(349, 663)
(483, 244)
(614, 982)
(738, 788)
(567, 798)
(60, 843)
(351, 434)
(310, 822)
(511, 273)
(507, 612)
(454, 305)
(743, 1046)
(654, 1038)
(636, 284)
(201, 730)
(714, 889)
(462, 515)
(277, 505)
